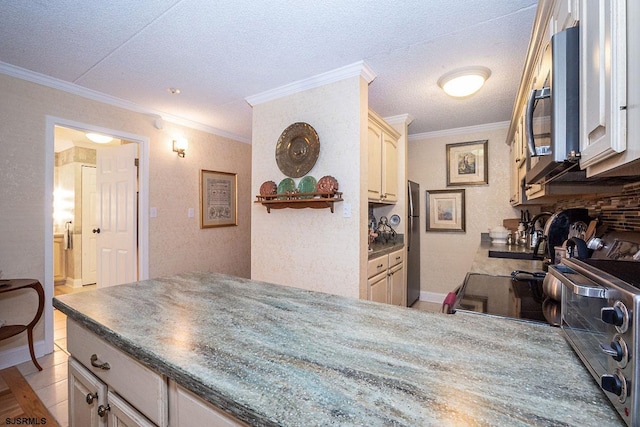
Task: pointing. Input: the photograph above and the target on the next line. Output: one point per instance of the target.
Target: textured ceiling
(219, 53)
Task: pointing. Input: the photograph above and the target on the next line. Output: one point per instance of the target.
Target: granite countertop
(483, 264)
(276, 355)
(380, 248)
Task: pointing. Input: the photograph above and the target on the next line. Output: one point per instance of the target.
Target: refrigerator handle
(410, 200)
(410, 227)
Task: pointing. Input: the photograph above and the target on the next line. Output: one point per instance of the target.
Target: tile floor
(50, 384)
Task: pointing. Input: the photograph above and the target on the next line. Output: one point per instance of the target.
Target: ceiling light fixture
(464, 82)
(99, 138)
(173, 91)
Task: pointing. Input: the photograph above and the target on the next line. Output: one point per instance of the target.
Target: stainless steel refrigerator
(413, 244)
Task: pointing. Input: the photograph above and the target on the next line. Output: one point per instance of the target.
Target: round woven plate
(297, 149)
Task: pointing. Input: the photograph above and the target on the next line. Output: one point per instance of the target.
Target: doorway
(54, 222)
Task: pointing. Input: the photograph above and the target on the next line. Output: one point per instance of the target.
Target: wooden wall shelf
(300, 200)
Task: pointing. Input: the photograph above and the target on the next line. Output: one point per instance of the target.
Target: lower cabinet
(92, 404)
(186, 409)
(386, 281)
(108, 388)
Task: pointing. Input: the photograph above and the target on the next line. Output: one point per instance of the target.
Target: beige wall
(176, 242)
(446, 257)
(309, 248)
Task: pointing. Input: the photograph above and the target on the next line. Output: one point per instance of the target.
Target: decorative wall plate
(267, 188)
(307, 185)
(297, 149)
(327, 184)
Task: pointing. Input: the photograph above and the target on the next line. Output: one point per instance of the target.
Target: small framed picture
(445, 210)
(467, 163)
(218, 199)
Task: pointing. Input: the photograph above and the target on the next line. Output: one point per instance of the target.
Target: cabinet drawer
(377, 265)
(143, 388)
(396, 257)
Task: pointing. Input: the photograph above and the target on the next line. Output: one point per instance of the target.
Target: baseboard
(17, 355)
(432, 297)
(73, 283)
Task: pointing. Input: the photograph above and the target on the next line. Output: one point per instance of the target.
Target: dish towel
(68, 236)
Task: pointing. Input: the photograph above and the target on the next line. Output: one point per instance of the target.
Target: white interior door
(116, 180)
(89, 223)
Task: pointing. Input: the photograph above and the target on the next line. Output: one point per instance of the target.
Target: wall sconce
(180, 145)
(464, 82)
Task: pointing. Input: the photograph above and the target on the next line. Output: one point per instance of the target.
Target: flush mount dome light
(99, 138)
(464, 81)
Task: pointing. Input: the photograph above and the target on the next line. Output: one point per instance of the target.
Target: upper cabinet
(383, 161)
(603, 86)
(609, 90)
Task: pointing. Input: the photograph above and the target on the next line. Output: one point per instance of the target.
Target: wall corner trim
(458, 131)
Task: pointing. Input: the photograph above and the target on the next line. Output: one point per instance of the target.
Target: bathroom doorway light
(99, 138)
(464, 81)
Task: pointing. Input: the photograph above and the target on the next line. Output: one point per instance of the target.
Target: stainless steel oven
(601, 317)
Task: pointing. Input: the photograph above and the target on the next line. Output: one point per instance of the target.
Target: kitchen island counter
(275, 355)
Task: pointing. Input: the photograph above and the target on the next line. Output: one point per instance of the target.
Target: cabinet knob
(102, 410)
(90, 398)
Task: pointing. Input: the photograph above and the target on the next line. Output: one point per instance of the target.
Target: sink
(515, 255)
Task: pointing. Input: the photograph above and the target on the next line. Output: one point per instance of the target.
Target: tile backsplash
(620, 211)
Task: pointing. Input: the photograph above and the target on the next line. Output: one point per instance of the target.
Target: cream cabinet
(382, 160)
(387, 282)
(59, 259)
(108, 387)
(188, 410)
(609, 109)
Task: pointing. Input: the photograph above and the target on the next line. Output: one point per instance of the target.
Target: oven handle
(579, 288)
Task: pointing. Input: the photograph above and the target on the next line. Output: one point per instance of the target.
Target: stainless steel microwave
(553, 112)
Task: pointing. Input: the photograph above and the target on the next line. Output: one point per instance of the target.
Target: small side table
(8, 331)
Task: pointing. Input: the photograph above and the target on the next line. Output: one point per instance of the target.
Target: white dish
(498, 241)
(394, 220)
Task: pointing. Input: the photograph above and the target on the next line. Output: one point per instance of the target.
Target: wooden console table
(8, 331)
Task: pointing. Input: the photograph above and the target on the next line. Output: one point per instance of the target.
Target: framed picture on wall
(467, 163)
(218, 199)
(445, 210)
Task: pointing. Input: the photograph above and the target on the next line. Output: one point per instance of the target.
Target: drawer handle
(94, 362)
(102, 410)
(379, 266)
(90, 398)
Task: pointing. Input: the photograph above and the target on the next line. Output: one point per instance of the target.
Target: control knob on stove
(618, 350)
(616, 384)
(618, 316)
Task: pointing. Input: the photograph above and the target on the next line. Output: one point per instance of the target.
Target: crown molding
(359, 68)
(458, 131)
(404, 119)
(54, 83)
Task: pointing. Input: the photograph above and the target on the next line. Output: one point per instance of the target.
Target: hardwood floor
(19, 404)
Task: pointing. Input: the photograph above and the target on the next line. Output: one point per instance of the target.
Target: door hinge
(136, 162)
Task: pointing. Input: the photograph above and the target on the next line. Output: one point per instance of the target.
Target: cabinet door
(397, 288)
(59, 259)
(86, 394)
(389, 168)
(375, 160)
(121, 414)
(602, 80)
(378, 288)
(188, 410)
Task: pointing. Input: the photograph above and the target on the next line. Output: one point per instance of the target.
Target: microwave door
(538, 122)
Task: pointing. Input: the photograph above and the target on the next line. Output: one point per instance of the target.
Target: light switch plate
(192, 213)
(346, 210)
(153, 212)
